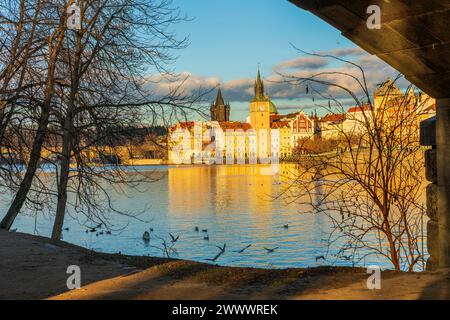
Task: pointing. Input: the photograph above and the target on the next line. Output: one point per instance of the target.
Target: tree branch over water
(94, 92)
(370, 183)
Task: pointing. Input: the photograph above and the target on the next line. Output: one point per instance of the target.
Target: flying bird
(242, 250)
(206, 237)
(320, 258)
(271, 250)
(173, 238)
(222, 248)
(222, 251)
(216, 257)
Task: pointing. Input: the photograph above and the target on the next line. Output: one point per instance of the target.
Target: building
(356, 119)
(219, 110)
(268, 135)
(384, 93)
(281, 135)
(389, 103)
(236, 141)
(332, 125)
(261, 110)
(301, 126)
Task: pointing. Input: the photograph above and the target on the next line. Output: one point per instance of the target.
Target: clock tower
(260, 110)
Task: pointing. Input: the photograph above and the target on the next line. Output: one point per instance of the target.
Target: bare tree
(370, 184)
(96, 92)
(54, 28)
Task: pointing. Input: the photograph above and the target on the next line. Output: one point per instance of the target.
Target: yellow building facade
(261, 109)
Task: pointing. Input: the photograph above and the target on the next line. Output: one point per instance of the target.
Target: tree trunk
(63, 179)
(32, 166)
(392, 248)
(68, 137)
(39, 139)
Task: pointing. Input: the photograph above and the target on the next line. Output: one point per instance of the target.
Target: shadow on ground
(35, 268)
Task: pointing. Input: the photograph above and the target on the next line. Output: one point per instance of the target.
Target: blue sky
(228, 39)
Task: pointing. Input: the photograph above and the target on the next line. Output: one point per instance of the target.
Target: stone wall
(428, 138)
(432, 210)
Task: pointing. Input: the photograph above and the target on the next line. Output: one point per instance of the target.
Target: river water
(235, 204)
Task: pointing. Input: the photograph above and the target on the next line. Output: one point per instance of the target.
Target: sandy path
(164, 282)
(34, 268)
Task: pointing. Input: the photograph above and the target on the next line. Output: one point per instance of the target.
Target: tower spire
(219, 110)
(259, 86)
(219, 99)
(259, 72)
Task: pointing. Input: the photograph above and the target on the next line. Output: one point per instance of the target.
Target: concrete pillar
(428, 138)
(432, 211)
(443, 179)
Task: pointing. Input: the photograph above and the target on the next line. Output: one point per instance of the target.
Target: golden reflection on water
(195, 189)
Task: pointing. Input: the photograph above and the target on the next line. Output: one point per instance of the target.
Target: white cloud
(344, 52)
(331, 70)
(304, 62)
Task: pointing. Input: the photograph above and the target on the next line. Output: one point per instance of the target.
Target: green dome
(273, 108)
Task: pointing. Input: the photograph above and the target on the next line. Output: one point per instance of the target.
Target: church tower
(260, 107)
(260, 110)
(219, 110)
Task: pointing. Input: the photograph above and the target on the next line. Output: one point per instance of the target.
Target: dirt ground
(35, 268)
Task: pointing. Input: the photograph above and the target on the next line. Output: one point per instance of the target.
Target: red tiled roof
(275, 117)
(333, 118)
(235, 125)
(365, 107)
(291, 115)
(280, 124)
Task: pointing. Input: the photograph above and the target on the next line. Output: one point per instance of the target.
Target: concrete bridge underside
(415, 40)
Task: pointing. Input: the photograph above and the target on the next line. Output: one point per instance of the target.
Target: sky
(229, 39)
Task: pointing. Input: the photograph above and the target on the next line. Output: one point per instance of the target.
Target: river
(234, 203)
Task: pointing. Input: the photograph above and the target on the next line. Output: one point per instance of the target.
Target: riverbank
(33, 267)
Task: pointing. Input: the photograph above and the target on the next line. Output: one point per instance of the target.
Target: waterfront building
(281, 131)
(268, 135)
(331, 126)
